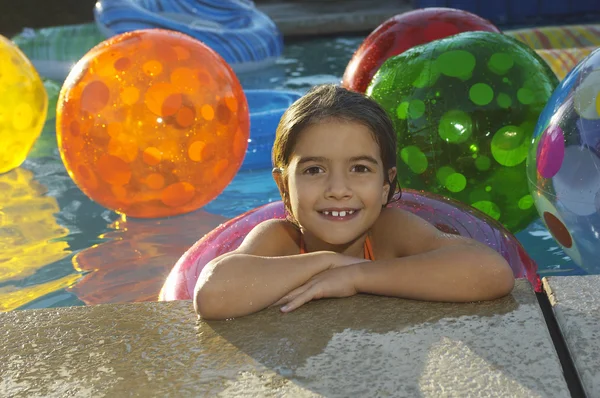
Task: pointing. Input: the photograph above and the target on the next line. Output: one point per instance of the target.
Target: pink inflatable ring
(446, 214)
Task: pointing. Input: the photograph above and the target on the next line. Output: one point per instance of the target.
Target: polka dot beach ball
(23, 102)
(152, 123)
(465, 108)
(405, 31)
(563, 165)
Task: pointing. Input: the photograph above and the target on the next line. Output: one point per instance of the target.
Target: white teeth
(342, 213)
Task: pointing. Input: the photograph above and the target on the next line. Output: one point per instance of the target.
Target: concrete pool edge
(365, 344)
(576, 308)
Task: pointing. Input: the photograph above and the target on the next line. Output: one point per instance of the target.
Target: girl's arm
(259, 273)
(422, 264)
(434, 266)
(458, 270)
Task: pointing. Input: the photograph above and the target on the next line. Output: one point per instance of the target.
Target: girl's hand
(334, 282)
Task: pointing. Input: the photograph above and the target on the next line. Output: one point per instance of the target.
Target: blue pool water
(90, 255)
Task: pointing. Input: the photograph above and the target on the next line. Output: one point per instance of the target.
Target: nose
(338, 186)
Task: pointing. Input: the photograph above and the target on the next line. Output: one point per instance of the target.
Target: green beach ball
(464, 109)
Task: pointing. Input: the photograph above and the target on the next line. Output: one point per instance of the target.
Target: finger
(299, 300)
(291, 295)
(287, 298)
(284, 300)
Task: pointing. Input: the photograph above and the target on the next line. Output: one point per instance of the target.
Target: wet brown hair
(329, 101)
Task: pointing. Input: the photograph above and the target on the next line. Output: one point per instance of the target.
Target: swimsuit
(368, 248)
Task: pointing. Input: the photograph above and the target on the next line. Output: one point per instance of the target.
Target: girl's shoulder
(398, 233)
(272, 238)
(389, 219)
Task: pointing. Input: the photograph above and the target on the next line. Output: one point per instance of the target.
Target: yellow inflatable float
(568, 36)
(562, 47)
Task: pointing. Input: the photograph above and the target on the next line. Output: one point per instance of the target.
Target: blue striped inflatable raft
(247, 39)
(243, 35)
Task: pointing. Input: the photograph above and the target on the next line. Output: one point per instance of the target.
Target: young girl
(334, 156)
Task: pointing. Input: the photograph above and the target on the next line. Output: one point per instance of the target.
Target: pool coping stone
(576, 306)
(363, 345)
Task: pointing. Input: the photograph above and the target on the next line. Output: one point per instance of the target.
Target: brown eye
(313, 170)
(360, 168)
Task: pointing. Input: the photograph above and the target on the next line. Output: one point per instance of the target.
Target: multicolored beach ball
(563, 165)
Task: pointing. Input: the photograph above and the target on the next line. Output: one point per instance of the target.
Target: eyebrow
(365, 158)
(321, 159)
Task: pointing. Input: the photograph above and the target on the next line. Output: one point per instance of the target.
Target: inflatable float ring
(445, 214)
(244, 36)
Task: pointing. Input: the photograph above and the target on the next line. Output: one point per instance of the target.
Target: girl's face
(336, 182)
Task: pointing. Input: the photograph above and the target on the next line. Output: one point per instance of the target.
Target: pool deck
(359, 346)
(576, 306)
(323, 17)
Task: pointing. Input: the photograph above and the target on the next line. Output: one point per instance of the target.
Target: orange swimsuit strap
(368, 248)
(369, 254)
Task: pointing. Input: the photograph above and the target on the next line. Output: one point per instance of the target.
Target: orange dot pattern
(152, 123)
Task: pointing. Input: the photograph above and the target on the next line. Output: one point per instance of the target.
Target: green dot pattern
(457, 63)
(510, 146)
(525, 96)
(455, 182)
(414, 159)
(416, 108)
(488, 207)
(455, 126)
(402, 110)
(481, 94)
(483, 163)
(525, 202)
(443, 173)
(504, 100)
(500, 63)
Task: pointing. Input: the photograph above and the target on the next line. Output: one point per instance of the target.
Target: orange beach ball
(152, 123)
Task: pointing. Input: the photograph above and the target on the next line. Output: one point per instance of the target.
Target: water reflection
(133, 262)
(30, 239)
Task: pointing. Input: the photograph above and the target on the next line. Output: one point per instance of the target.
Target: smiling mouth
(338, 215)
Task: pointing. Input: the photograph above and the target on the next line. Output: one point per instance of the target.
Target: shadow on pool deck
(359, 346)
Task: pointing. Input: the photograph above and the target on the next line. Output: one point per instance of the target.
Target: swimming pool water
(68, 250)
